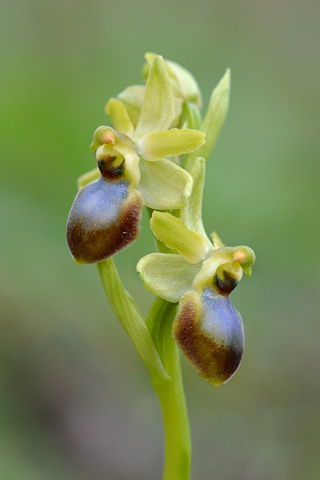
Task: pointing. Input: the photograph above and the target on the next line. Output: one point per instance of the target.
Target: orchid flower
(133, 170)
(200, 274)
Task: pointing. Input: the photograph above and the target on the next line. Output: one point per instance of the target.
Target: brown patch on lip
(214, 362)
(225, 285)
(97, 244)
(107, 170)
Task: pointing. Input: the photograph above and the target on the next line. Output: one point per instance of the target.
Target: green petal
(164, 185)
(173, 232)
(216, 240)
(88, 177)
(158, 107)
(132, 98)
(167, 276)
(119, 117)
(215, 116)
(168, 143)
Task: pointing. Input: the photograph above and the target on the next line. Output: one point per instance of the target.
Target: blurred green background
(76, 402)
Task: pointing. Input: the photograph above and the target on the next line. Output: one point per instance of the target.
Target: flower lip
(210, 333)
(103, 219)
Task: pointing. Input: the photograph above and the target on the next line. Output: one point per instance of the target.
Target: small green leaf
(164, 185)
(119, 117)
(158, 107)
(167, 275)
(168, 143)
(173, 232)
(88, 177)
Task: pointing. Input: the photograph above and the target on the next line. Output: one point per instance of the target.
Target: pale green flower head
(200, 262)
(148, 144)
(197, 265)
(199, 274)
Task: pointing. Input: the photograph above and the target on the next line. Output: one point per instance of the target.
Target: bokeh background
(76, 401)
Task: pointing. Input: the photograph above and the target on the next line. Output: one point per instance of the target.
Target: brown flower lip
(103, 219)
(209, 332)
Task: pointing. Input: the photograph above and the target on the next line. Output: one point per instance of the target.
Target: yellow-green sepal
(164, 185)
(157, 111)
(191, 215)
(132, 98)
(183, 82)
(172, 232)
(154, 146)
(119, 116)
(168, 276)
(191, 115)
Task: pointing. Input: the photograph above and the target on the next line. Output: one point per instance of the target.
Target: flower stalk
(155, 156)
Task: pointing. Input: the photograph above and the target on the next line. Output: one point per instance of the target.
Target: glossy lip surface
(103, 219)
(210, 333)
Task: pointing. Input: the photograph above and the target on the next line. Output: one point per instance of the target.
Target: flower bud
(210, 333)
(104, 217)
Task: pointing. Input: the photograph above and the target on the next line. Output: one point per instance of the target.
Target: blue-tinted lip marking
(221, 321)
(105, 199)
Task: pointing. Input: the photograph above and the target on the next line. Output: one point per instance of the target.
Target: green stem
(128, 315)
(159, 352)
(171, 394)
